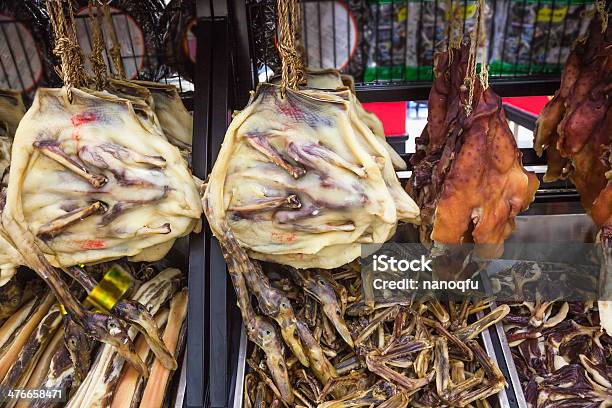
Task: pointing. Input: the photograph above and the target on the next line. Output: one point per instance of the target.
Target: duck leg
(133, 313)
(102, 327)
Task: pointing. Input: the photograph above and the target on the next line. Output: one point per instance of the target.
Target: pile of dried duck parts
(83, 205)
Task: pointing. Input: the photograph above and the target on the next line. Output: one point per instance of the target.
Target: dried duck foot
(133, 313)
(367, 331)
(79, 349)
(102, 327)
(319, 363)
(260, 330)
(377, 364)
(272, 302)
(54, 152)
(371, 397)
(466, 353)
(322, 290)
(58, 225)
(474, 329)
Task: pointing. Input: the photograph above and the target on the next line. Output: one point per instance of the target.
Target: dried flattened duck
(468, 178)
(175, 120)
(296, 182)
(90, 183)
(11, 112)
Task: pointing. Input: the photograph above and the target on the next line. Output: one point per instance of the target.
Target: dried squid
(468, 178)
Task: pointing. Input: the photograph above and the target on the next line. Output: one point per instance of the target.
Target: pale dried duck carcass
(296, 183)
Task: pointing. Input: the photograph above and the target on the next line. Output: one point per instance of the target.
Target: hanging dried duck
(468, 178)
(575, 130)
(301, 181)
(575, 127)
(81, 192)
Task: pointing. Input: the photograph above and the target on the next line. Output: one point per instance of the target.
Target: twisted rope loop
(66, 47)
(115, 50)
(292, 66)
(97, 48)
(477, 36)
(601, 9)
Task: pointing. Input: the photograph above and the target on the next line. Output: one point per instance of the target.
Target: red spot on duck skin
(82, 118)
(92, 244)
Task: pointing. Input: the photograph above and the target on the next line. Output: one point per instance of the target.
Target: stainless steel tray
(502, 400)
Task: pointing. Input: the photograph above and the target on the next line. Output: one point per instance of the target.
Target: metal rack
(12, 36)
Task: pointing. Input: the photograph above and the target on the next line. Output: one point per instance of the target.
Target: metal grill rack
(15, 53)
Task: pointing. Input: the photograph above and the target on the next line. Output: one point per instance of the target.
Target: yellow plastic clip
(62, 309)
(110, 289)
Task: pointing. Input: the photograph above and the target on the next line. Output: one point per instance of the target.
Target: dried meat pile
(425, 354)
(41, 349)
(468, 178)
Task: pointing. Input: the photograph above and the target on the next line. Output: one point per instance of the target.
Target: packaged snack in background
(403, 36)
(536, 36)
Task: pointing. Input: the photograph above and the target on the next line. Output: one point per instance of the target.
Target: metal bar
(376, 42)
(563, 34)
(218, 304)
(127, 26)
(504, 38)
(243, 52)
(320, 34)
(420, 30)
(418, 91)
(521, 117)
(520, 41)
(4, 73)
(546, 49)
(532, 42)
(333, 7)
(198, 330)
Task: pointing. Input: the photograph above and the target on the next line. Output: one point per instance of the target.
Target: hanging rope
(66, 47)
(296, 27)
(115, 50)
(292, 67)
(477, 36)
(97, 48)
(601, 9)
